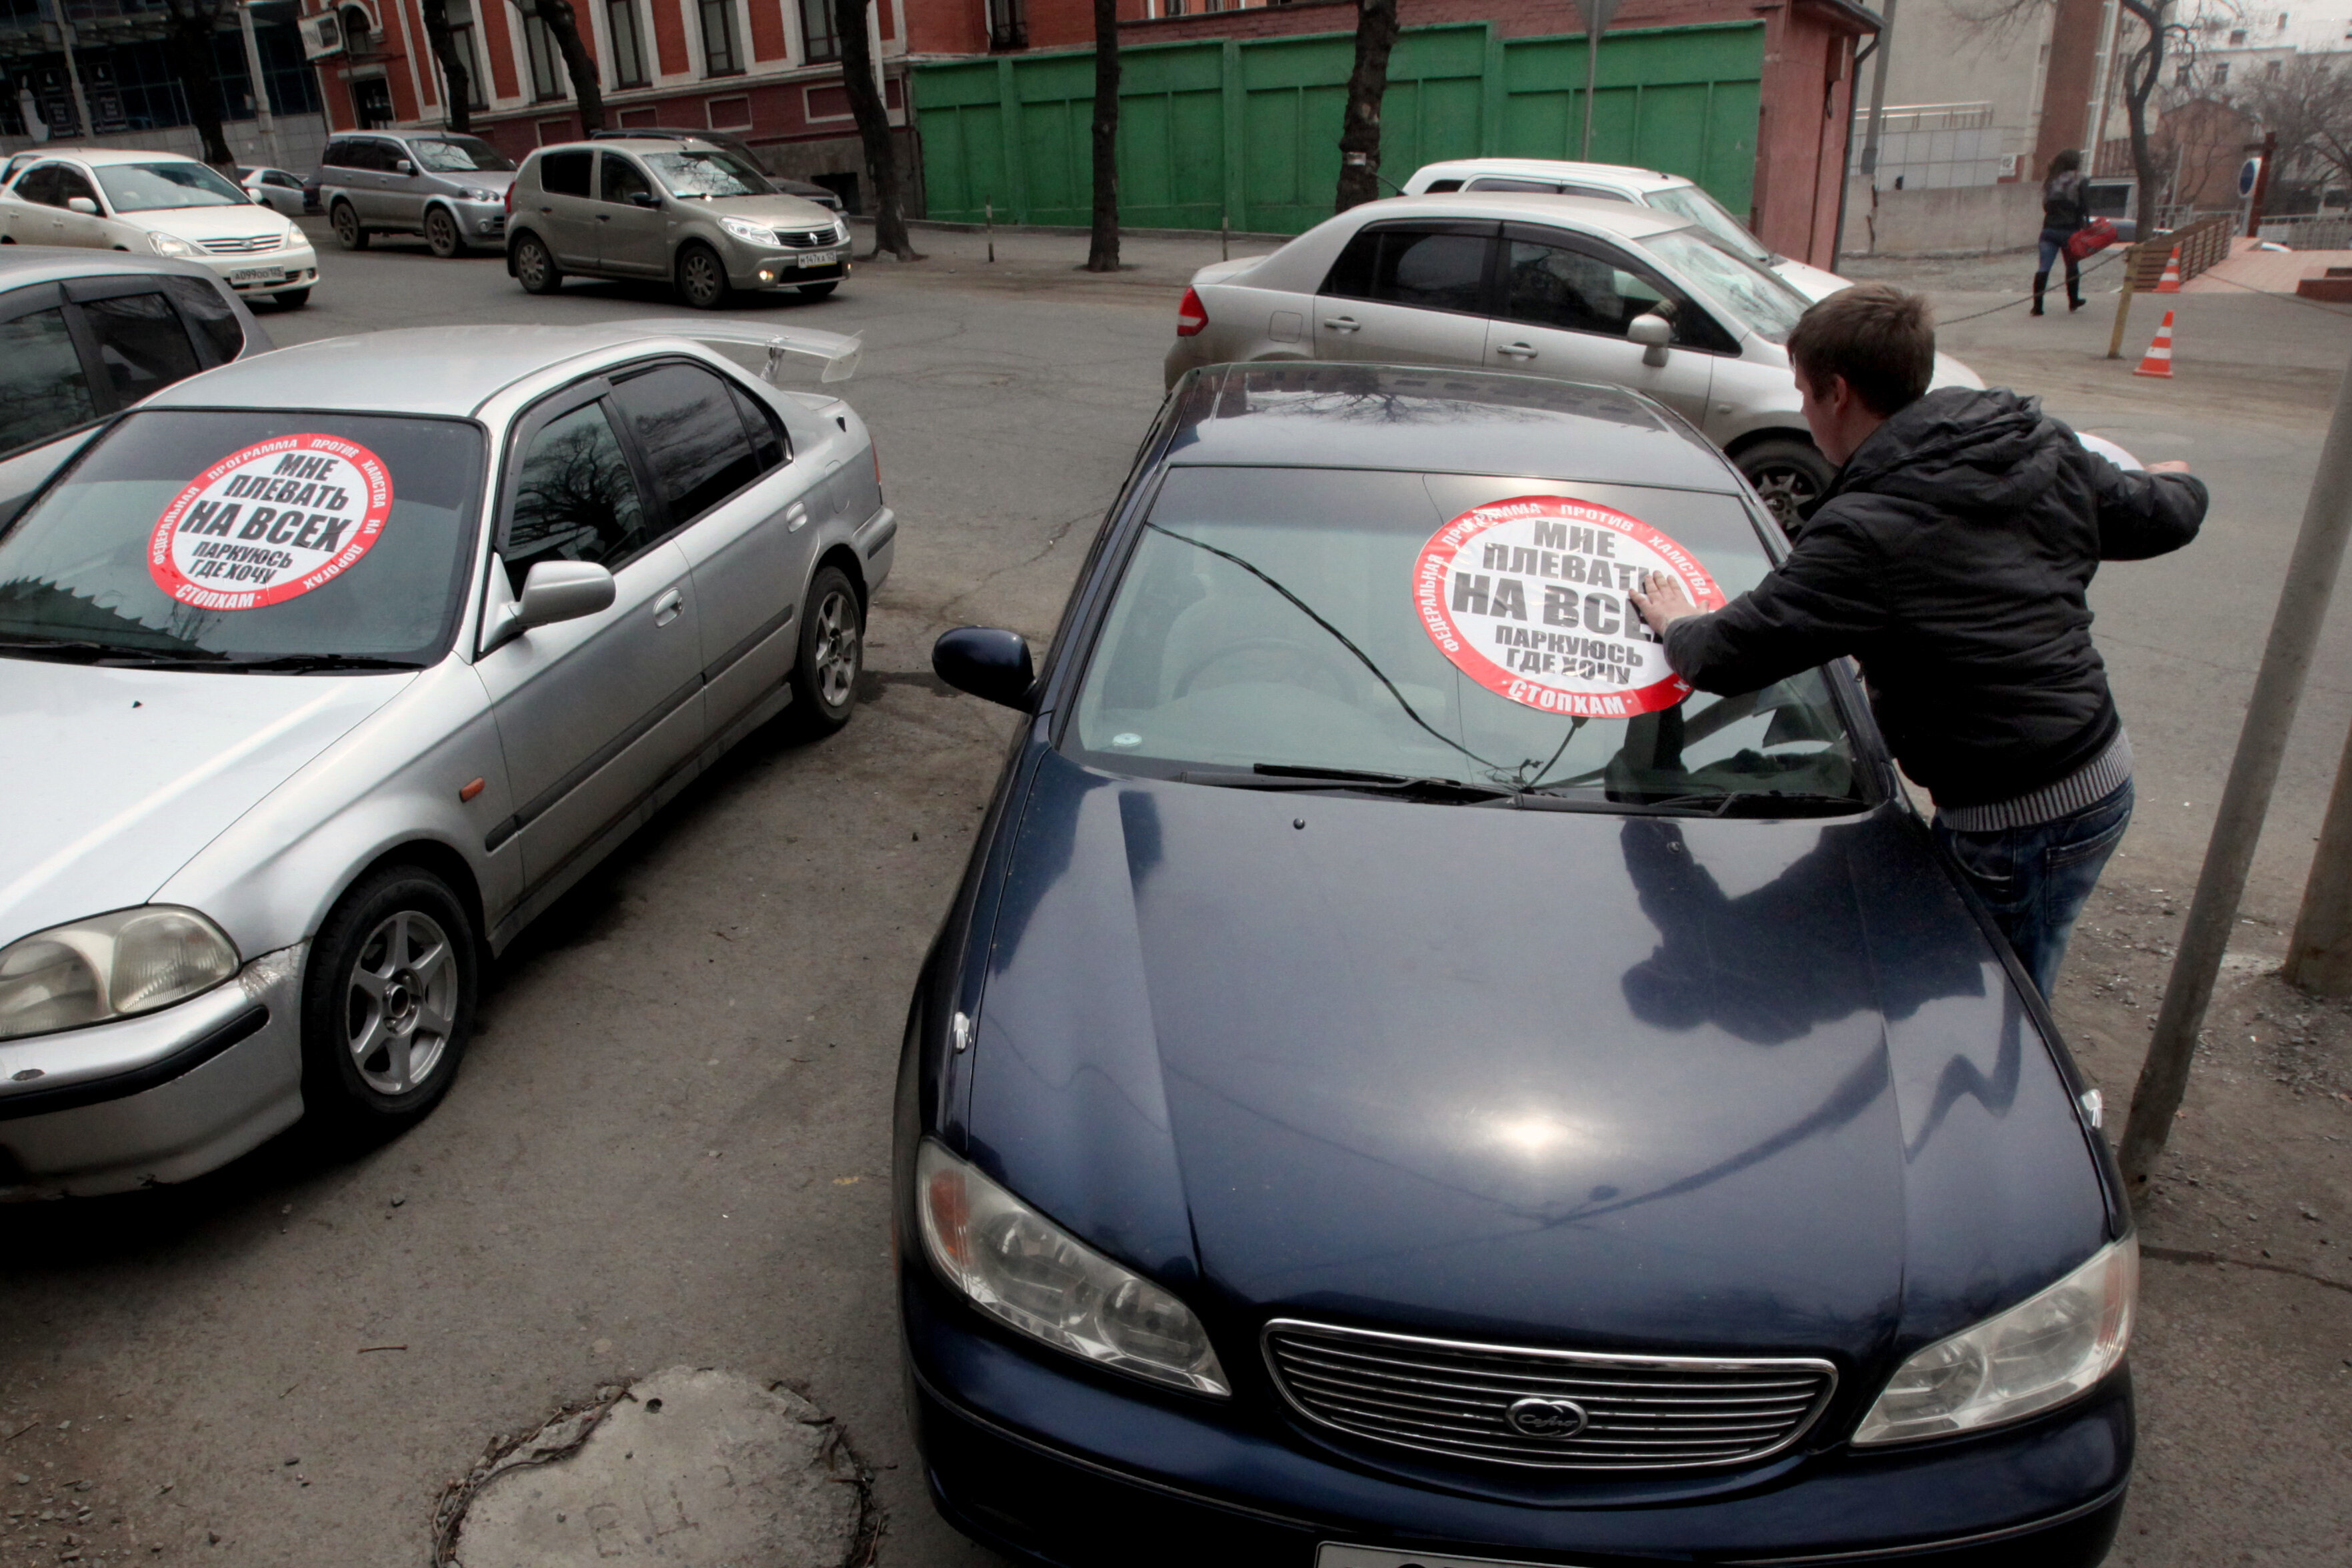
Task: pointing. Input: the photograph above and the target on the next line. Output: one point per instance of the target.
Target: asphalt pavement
(669, 1147)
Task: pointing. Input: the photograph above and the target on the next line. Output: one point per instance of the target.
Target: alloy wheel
(441, 233)
(348, 233)
(532, 264)
(838, 650)
(1787, 491)
(400, 1003)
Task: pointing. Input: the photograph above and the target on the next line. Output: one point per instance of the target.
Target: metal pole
(1596, 21)
(2213, 913)
(73, 78)
(2319, 954)
(990, 210)
(1877, 96)
(260, 86)
(2123, 302)
(1845, 176)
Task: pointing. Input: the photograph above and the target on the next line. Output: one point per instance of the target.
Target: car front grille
(244, 246)
(1576, 1410)
(805, 239)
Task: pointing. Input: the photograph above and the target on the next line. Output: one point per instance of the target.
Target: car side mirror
(645, 199)
(82, 205)
(987, 662)
(563, 591)
(403, 167)
(1654, 332)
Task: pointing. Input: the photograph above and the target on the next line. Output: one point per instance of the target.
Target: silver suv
(451, 189)
(657, 207)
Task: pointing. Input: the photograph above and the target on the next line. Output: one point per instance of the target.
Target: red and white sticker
(270, 524)
(1531, 599)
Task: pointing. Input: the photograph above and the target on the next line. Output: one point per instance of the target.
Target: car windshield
(1690, 202)
(1756, 295)
(152, 187)
(220, 538)
(708, 173)
(458, 154)
(1274, 622)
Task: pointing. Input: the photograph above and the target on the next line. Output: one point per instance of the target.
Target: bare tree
(1102, 247)
(456, 80)
(1360, 126)
(563, 26)
(872, 118)
(190, 29)
(2309, 105)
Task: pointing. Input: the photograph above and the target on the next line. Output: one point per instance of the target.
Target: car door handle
(795, 518)
(668, 607)
(1515, 351)
(604, 218)
(1342, 323)
(544, 211)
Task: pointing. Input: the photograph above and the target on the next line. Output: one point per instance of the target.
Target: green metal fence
(1249, 130)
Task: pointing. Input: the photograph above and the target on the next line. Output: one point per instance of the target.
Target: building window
(2237, 38)
(2221, 74)
(546, 72)
(817, 31)
(2272, 69)
(1008, 25)
(466, 44)
(719, 55)
(628, 46)
(2181, 74)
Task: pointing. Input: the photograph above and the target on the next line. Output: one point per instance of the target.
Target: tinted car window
(72, 183)
(575, 498)
(40, 185)
(42, 387)
(1431, 269)
(209, 314)
(564, 173)
(283, 181)
(622, 180)
(767, 442)
(1498, 182)
(692, 434)
(140, 343)
(287, 555)
(1552, 279)
(338, 156)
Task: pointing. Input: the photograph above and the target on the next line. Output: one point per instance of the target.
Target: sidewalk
(2265, 271)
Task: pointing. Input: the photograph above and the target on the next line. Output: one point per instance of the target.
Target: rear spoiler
(839, 354)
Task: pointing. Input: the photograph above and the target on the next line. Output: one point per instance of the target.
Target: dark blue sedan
(1406, 1081)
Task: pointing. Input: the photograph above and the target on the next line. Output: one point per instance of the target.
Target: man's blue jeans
(2036, 880)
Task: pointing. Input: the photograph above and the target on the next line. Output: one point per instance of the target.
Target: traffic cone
(2157, 361)
(2170, 282)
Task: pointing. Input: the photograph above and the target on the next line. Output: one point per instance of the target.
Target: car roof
(1417, 419)
(100, 157)
(24, 264)
(622, 144)
(1622, 219)
(1554, 169)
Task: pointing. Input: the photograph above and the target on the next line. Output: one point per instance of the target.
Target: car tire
(534, 269)
(291, 298)
(1788, 475)
(349, 232)
(388, 994)
(701, 278)
(442, 233)
(832, 655)
(818, 290)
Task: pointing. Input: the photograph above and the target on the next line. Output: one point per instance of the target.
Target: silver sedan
(326, 673)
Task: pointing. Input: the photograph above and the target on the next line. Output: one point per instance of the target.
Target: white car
(324, 673)
(1552, 286)
(159, 204)
(1617, 183)
(276, 189)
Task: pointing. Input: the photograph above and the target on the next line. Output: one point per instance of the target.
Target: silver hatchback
(692, 212)
(451, 189)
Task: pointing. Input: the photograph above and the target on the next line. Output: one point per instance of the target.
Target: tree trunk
(1359, 127)
(457, 82)
(190, 25)
(2140, 75)
(563, 26)
(873, 129)
(1102, 250)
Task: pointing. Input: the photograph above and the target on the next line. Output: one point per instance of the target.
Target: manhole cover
(685, 1467)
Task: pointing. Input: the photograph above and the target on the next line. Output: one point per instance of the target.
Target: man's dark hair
(1882, 340)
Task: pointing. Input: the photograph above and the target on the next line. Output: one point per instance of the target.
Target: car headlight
(1017, 1264)
(744, 228)
(170, 243)
(841, 231)
(110, 966)
(2043, 1352)
(475, 194)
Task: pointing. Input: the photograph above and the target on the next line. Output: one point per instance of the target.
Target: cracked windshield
(1471, 635)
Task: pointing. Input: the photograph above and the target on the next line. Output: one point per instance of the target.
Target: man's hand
(1662, 601)
(2169, 465)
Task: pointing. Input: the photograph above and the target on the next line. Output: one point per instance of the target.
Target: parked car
(159, 204)
(85, 335)
(339, 669)
(1582, 290)
(1616, 183)
(804, 189)
(275, 189)
(450, 188)
(694, 215)
(1404, 1080)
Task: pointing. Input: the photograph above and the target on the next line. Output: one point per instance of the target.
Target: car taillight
(877, 466)
(1191, 314)
(510, 198)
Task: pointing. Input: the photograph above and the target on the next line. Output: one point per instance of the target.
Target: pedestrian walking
(2066, 210)
(1950, 556)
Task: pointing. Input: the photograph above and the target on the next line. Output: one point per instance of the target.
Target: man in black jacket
(1950, 556)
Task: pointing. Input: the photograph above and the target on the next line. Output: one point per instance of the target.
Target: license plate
(257, 275)
(820, 258)
(1332, 1555)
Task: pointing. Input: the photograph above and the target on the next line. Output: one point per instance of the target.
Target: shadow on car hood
(1647, 1083)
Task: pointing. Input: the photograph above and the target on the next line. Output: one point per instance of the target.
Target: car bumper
(156, 1099)
(480, 222)
(295, 266)
(782, 269)
(1057, 1464)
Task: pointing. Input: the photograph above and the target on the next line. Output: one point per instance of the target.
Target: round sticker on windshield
(270, 524)
(1531, 599)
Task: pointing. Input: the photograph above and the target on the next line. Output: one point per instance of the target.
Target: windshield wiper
(82, 651)
(312, 663)
(1749, 802)
(1286, 776)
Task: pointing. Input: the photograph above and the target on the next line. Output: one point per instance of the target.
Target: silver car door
(1565, 307)
(403, 190)
(631, 237)
(1410, 292)
(742, 513)
(562, 210)
(600, 716)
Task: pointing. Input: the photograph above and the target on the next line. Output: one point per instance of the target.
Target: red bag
(2091, 238)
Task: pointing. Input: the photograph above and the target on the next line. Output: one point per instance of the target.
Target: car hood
(212, 223)
(129, 773)
(1641, 1082)
(777, 211)
(1950, 372)
(494, 181)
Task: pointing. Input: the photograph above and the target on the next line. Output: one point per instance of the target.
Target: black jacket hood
(1964, 450)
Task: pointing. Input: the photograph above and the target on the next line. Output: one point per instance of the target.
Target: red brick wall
(769, 41)
(2066, 84)
(1801, 133)
(497, 46)
(669, 36)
